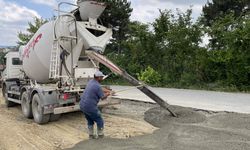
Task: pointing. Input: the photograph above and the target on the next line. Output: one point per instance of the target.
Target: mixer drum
(36, 54)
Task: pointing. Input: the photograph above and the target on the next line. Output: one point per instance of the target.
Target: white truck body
(48, 75)
(71, 35)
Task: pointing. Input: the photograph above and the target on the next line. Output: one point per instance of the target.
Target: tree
(171, 49)
(227, 23)
(231, 62)
(31, 30)
(178, 42)
(162, 25)
(135, 56)
(220, 8)
(171, 53)
(117, 14)
(2, 55)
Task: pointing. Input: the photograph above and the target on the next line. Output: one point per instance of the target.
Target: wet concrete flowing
(192, 130)
(159, 117)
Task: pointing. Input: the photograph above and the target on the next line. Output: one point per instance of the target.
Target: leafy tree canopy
(219, 8)
(23, 38)
(117, 14)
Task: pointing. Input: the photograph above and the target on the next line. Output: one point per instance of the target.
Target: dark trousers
(94, 117)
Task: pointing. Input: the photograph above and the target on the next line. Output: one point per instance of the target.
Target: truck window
(16, 61)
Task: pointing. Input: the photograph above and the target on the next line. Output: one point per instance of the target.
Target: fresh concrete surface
(207, 100)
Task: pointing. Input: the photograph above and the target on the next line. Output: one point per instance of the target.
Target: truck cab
(13, 68)
(38, 101)
(11, 75)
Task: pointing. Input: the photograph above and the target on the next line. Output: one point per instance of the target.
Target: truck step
(14, 100)
(14, 92)
(104, 103)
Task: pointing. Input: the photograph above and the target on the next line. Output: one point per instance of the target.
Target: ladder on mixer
(54, 72)
(54, 61)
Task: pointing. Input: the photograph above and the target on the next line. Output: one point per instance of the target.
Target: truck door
(13, 67)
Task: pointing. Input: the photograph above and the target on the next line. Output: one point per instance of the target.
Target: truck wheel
(38, 115)
(5, 95)
(26, 105)
(54, 117)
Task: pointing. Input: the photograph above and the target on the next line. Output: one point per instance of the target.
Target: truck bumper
(62, 110)
(67, 109)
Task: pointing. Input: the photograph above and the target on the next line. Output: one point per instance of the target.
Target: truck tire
(54, 117)
(38, 115)
(26, 105)
(5, 95)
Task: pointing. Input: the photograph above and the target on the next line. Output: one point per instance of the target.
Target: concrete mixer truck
(48, 75)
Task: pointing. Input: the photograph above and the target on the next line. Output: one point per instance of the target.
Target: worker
(88, 104)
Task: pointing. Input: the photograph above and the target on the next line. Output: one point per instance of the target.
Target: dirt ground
(129, 126)
(18, 132)
(192, 130)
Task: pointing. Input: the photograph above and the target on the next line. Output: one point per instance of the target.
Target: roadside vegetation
(170, 52)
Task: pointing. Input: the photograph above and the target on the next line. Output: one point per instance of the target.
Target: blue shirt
(91, 96)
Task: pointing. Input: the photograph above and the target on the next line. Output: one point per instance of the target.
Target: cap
(99, 74)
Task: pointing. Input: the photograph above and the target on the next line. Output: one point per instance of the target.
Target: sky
(15, 14)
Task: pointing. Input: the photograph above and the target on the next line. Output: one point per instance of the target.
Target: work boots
(91, 132)
(100, 133)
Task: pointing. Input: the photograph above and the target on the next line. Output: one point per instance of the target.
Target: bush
(150, 76)
(188, 79)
